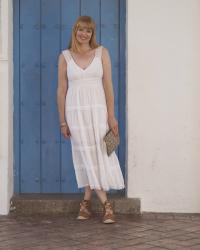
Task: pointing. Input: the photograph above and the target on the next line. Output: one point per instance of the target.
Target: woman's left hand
(113, 124)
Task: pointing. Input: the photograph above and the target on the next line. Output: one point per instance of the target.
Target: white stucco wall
(163, 102)
(6, 110)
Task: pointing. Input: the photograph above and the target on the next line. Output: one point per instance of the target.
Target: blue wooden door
(42, 28)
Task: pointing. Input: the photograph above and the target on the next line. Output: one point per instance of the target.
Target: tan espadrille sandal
(108, 216)
(85, 210)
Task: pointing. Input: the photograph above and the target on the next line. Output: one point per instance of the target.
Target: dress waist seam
(87, 80)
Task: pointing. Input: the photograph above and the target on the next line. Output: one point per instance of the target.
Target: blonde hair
(90, 24)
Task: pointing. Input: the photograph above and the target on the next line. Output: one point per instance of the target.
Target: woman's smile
(84, 34)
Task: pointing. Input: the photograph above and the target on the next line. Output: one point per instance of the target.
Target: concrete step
(27, 204)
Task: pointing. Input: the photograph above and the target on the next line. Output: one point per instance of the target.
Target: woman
(86, 109)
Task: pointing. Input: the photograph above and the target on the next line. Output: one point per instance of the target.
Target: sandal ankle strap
(107, 202)
(85, 203)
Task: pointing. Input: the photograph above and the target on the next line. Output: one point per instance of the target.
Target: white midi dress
(86, 116)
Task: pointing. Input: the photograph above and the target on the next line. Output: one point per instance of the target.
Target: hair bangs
(85, 24)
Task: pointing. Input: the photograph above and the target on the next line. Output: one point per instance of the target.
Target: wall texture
(163, 102)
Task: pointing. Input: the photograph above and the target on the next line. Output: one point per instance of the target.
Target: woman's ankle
(88, 198)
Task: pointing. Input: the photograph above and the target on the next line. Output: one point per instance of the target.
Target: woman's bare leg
(101, 195)
(88, 193)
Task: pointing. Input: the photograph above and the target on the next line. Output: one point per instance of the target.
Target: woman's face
(83, 34)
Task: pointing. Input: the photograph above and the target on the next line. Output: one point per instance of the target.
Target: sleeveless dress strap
(67, 55)
(99, 51)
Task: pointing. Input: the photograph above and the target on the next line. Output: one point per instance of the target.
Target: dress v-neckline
(83, 69)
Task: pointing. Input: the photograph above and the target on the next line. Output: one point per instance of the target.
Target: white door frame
(6, 106)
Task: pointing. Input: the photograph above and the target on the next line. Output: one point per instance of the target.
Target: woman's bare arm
(62, 87)
(107, 81)
(108, 89)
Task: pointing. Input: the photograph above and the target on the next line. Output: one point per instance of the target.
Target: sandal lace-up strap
(109, 216)
(85, 204)
(85, 210)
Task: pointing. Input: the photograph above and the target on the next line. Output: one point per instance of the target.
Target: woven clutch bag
(111, 141)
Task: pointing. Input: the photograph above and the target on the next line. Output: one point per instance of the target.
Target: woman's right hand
(65, 131)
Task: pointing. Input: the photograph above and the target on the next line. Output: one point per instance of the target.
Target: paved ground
(149, 231)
